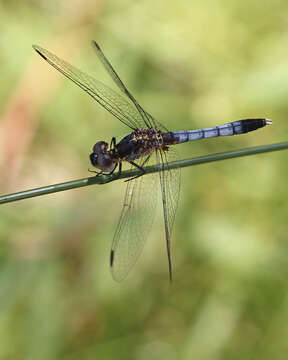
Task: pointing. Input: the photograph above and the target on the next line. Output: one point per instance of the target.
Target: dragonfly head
(101, 158)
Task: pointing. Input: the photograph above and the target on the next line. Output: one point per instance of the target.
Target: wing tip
(111, 258)
(94, 43)
(38, 50)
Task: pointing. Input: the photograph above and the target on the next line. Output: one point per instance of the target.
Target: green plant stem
(103, 179)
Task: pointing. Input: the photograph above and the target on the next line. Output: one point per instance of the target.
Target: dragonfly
(149, 142)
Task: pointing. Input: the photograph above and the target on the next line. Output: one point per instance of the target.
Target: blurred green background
(191, 64)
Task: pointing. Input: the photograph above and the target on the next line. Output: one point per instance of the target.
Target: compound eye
(94, 159)
(100, 147)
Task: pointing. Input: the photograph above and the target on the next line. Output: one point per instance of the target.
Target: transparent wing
(170, 188)
(148, 119)
(134, 224)
(115, 77)
(122, 108)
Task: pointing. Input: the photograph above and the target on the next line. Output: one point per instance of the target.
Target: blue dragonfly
(149, 142)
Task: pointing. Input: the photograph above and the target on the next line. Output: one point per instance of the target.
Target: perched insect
(148, 142)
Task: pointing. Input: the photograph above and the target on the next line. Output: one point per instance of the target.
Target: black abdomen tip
(254, 124)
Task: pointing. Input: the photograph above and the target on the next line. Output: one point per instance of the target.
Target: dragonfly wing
(116, 104)
(135, 221)
(170, 188)
(115, 77)
(148, 119)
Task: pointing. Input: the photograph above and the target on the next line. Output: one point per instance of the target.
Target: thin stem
(103, 179)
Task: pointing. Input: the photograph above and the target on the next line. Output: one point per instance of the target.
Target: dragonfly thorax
(141, 142)
(101, 157)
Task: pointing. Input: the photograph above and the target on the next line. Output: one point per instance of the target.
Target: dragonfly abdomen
(233, 128)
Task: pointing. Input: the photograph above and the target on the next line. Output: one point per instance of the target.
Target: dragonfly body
(141, 143)
(149, 141)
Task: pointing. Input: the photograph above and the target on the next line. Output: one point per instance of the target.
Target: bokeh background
(191, 64)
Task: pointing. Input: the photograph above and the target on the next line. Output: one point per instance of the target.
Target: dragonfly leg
(113, 142)
(139, 168)
(98, 173)
(120, 170)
